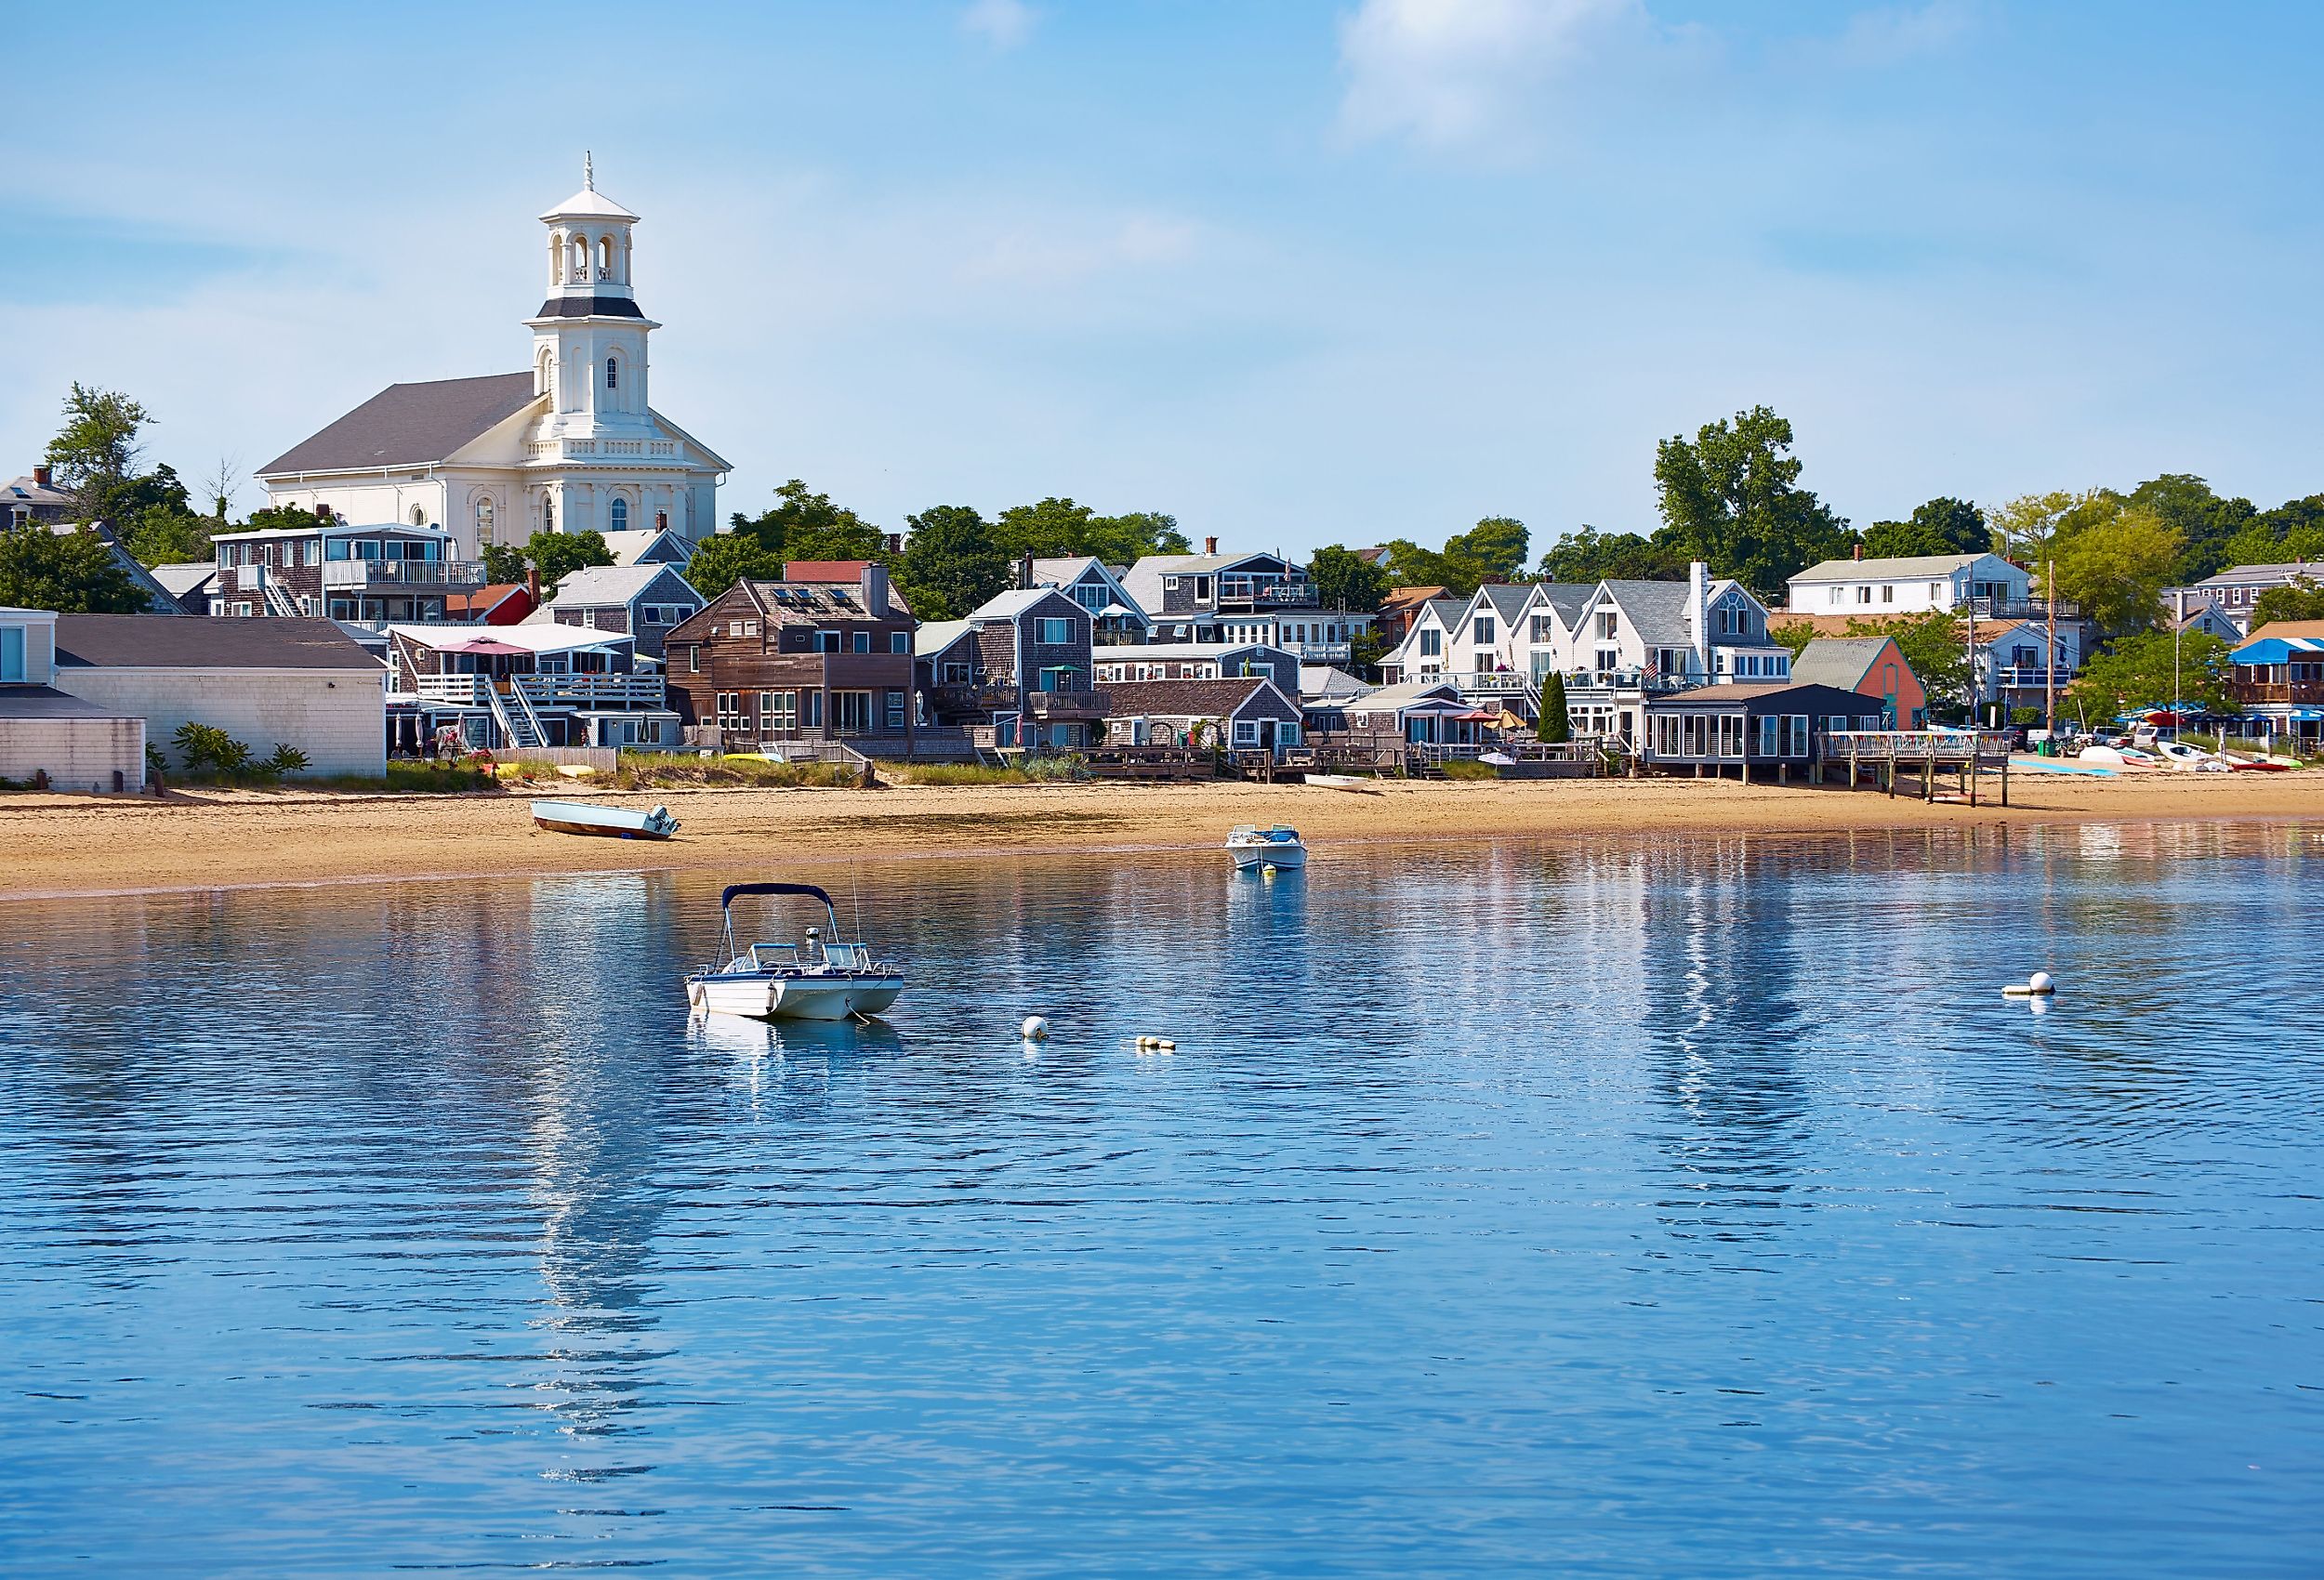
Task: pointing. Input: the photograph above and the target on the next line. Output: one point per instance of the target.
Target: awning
(1475, 716)
(486, 647)
(2276, 649)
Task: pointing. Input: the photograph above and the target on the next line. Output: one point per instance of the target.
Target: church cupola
(590, 337)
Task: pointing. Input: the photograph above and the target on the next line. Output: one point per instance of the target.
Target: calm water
(1684, 1207)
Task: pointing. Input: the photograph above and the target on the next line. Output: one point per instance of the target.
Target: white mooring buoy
(1036, 1030)
(2039, 985)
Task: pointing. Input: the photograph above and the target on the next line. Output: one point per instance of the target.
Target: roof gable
(409, 424)
(147, 641)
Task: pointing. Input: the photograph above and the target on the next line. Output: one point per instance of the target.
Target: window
(1770, 735)
(484, 520)
(1888, 594)
(850, 712)
(1730, 734)
(1839, 595)
(899, 642)
(1056, 633)
(1864, 594)
(11, 652)
(863, 641)
(1836, 722)
(826, 642)
(693, 661)
(810, 709)
(1797, 722)
(1483, 637)
(241, 610)
(745, 627)
(1609, 660)
(617, 514)
(895, 710)
(778, 713)
(613, 372)
(1431, 643)
(1246, 732)
(729, 712)
(1544, 630)
(549, 514)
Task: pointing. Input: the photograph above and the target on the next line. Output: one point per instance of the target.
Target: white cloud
(1004, 24)
(1467, 73)
(1893, 34)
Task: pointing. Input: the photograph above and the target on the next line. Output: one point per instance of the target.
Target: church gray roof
(409, 425)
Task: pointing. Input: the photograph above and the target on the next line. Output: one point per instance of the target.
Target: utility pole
(2178, 628)
(2049, 656)
(1976, 696)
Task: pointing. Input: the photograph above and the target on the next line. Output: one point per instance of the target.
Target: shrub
(284, 759)
(156, 765)
(1464, 767)
(207, 747)
(1048, 769)
(965, 773)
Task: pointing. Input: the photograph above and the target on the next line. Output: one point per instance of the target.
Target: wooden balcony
(1065, 706)
(2258, 692)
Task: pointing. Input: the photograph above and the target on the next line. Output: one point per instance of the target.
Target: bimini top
(735, 890)
(2277, 650)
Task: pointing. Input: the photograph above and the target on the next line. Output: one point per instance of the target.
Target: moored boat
(1258, 848)
(611, 823)
(818, 979)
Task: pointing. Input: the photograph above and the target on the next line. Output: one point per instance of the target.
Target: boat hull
(604, 823)
(1250, 858)
(766, 996)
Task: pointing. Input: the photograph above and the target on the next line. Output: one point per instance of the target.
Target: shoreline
(55, 847)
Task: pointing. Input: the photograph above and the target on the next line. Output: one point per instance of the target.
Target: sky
(1295, 272)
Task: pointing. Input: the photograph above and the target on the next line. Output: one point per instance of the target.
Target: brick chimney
(1859, 552)
(40, 477)
(1211, 546)
(532, 584)
(1024, 573)
(874, 586)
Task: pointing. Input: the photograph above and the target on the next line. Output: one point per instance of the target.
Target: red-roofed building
(501, 603)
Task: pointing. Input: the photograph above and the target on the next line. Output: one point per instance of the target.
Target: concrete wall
(77, 754)
(337, 716)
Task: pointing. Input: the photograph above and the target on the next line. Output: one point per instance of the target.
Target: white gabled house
(1427, 646)
(1913, 584)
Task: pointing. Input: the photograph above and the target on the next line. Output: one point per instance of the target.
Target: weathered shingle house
(48, 733)
(774, 661)
(646, 601)
(1019, 662)
(1250, 713)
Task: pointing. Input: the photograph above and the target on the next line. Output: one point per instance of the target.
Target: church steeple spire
(589, 172)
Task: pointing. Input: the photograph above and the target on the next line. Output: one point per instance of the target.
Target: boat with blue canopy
(820, 978)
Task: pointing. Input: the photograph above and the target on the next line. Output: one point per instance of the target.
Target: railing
(1915, 745)
(465, 691)
(404, 574)
(956, 697)
(2018, 608)
(2013, 678)
(1494, 682)
(1322, 653)
(1052, 705)
(594, 690)
(1627, 680)
(1276, 593)
(2277, 691)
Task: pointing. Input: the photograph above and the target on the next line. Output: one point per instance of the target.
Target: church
(571, 445)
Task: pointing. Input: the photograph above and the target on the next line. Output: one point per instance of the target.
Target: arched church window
(549, 512)
(484, 520)
(556, 259)
(580, 259)
(604, 257)
(613, 372)
(617, 515)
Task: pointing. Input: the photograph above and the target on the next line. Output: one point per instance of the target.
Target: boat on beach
(1256, 848)
(1343, 781)
(821, 978)
(611, 823)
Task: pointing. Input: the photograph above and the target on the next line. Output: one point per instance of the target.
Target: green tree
(1344, 579)
(503, 563)
(1941, 526)
(2206, 523)
(1732, 498)
(70, 572)
(1555, 724)
(1792, 634)
(95, 453)
(557, 555)
(2136, 671)
(2303, 598)
(802, 524)
(2117, 568)
(1124, 540)
(719, 562)
(1589, 556)
(950, 563)
(2293, 530)
(1493, 550)
(2035, 527)
(1057, 528)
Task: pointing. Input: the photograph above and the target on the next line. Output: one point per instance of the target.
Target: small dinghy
(1260, 848)
(820, 979)
(1343, 781)
(613, 823)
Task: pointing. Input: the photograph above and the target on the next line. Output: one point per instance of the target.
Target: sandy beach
(62, 845)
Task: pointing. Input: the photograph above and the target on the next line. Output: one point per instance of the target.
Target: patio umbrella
(485, 646)
(1479, 715)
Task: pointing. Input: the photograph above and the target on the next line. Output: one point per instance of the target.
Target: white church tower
(572, 446)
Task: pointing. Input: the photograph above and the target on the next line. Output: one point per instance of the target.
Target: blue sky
(1296, 272)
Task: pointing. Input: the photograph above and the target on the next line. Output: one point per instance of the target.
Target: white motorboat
(820, 979)
(1260, 850)
(615, 822)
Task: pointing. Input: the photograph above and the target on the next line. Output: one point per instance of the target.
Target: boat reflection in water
(738, 1036)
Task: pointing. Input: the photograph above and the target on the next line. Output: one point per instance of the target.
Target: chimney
(40, 477)
(895, 543)
(1859, 552)
(532, 584)
(1211, 546)
(874, 586)
(1699, 613)
(1024, 573)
